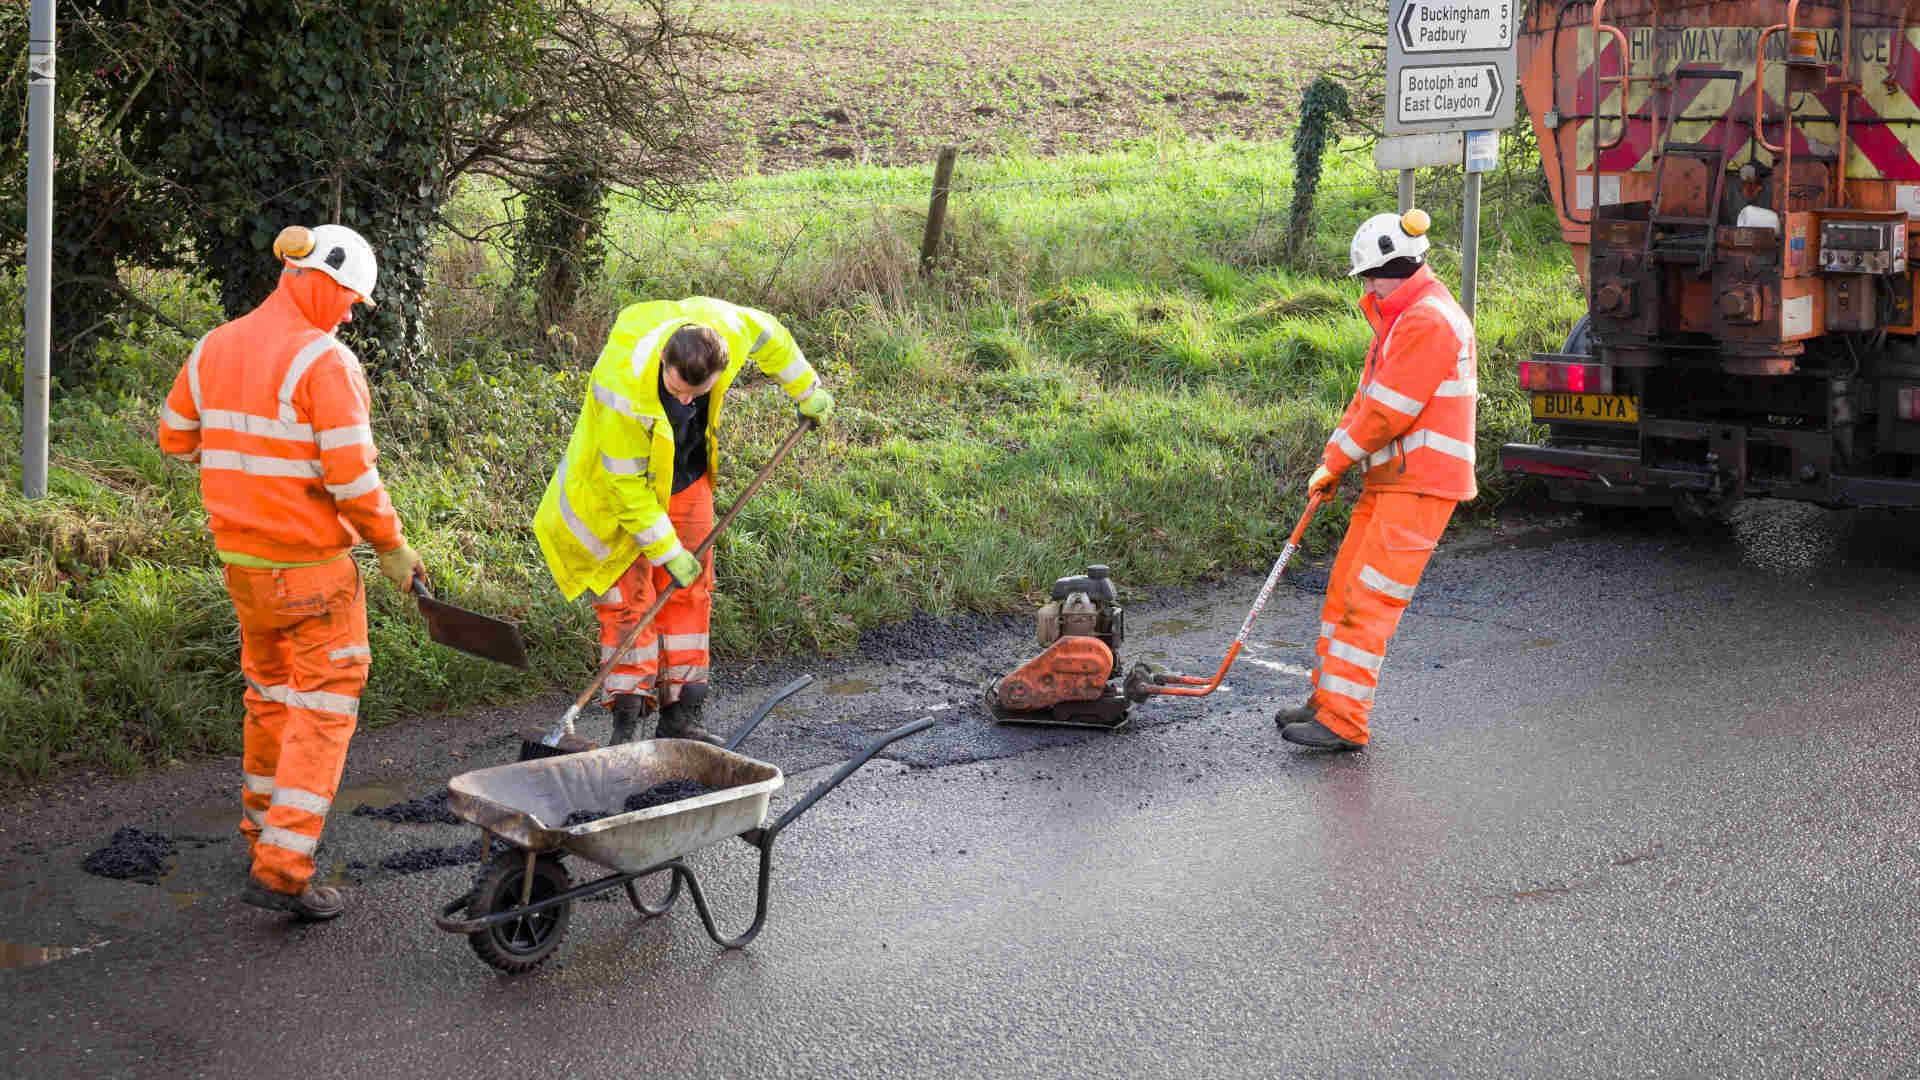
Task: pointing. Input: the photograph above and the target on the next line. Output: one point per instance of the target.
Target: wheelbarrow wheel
(523, 943)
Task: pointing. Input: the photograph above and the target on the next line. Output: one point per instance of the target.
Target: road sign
(1450, 65)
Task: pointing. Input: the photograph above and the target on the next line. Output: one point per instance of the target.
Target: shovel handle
(699, 554)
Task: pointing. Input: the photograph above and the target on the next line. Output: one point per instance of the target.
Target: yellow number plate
(1588, 408)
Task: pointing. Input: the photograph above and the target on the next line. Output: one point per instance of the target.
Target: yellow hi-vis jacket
(607, 503)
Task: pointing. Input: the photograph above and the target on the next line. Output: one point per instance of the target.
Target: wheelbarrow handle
(766, 707)
(846, 770)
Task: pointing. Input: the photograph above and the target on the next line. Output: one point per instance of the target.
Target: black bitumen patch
(929, 637)
(425, 810)
(434, 858)
(131, 855)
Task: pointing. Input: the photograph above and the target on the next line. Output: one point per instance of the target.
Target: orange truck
(1736, 179)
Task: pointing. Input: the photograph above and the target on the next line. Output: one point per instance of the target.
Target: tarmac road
(1638, 803)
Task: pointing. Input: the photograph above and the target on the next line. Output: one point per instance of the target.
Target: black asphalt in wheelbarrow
(516, 914)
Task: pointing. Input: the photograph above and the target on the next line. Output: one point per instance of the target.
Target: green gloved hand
(818, 404)
(400, 565)
(684, 568)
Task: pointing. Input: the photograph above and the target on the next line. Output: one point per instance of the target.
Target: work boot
(1299, 714)
(1317, 736)
(629, 712)
(315, 903)
(681, 720)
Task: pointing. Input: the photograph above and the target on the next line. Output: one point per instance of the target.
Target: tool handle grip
(699, 553)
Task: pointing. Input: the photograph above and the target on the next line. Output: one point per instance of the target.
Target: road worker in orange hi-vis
(633, 495)
(1410, 430)
(273, 409)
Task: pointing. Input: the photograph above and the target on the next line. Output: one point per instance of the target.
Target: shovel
(469, 631)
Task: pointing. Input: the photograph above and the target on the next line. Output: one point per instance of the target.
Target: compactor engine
(1071, 682)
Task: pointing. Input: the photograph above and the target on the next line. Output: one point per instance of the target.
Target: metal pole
(1470, 243)
(39, 383)
(1406, 190)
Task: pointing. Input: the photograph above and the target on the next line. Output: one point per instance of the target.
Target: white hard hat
(334, 250)
(1383, 238)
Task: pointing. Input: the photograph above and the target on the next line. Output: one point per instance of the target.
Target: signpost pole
(39, 381)
(1470, 243)
(1406, 190)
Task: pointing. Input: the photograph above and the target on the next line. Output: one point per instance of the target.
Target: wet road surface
(1638, 802)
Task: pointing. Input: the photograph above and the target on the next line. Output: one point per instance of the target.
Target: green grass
(1107, 367)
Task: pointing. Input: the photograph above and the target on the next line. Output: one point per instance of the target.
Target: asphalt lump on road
(131, 855)
(425, 810)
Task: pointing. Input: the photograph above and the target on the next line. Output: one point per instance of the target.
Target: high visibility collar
(320, 301)
(1382, 313)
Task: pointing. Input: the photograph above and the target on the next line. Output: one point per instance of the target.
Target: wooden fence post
(937, 207)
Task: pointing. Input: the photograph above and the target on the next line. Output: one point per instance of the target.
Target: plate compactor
(1072, 682)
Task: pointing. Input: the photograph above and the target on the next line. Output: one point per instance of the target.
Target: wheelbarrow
(517, 912)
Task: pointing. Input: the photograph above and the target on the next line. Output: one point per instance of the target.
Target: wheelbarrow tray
(527, 802)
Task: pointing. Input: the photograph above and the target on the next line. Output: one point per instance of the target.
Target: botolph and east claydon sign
(1450, 65)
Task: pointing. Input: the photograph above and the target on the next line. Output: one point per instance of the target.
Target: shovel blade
(473, 633)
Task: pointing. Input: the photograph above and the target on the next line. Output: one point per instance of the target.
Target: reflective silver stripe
(761, 341)
(193, 371)
(1432, 440)
(191, 457)
(625, 466)
(618, 404)
(661, 528)
(254, 817)
(175, 421)
(317, 700)
(793, 371)
(1360, 657)
(611, 596)
(1393, 399)
(301, 799)
(288, 839)
(1346, 445)
(1456, 319)
(674, 642)
(349, 653)
(335, 438)
(666, 558)
(258, 465)
(1381, 583)
(1334, 684)
(358, 486)
(685, 673)
(254, 782)
(623, 684)
(265, 427)
(302, 361)
(642, 655)
(644, 349)
(1326, 629)
(808, 392)
(574, 525)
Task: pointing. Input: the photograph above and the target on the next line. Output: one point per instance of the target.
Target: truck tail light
(1909, 408)
(1567, 378)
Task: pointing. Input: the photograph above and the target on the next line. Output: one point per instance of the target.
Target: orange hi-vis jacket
(275, 411)
(1412, 419)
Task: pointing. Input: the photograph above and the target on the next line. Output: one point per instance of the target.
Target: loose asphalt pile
(425, 810)
(658, 795)
(131, 855)
(435, 858)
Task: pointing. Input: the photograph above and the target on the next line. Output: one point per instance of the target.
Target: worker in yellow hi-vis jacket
(634, 492)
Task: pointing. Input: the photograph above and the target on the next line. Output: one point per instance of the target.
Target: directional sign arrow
(1406, 25)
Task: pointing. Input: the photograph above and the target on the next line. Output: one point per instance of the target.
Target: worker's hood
(323, 301)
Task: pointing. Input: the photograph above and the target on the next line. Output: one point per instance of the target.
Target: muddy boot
(681, 720)
(629, 712)
(316, 903)
(1299, 714)
(1317, 736)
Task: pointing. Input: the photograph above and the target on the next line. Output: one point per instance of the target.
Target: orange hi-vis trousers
(1388, 542)
(673, 651)
(303, 648)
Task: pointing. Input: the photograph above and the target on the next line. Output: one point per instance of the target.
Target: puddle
(848, 687)
(369, 795)
(14, 955)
